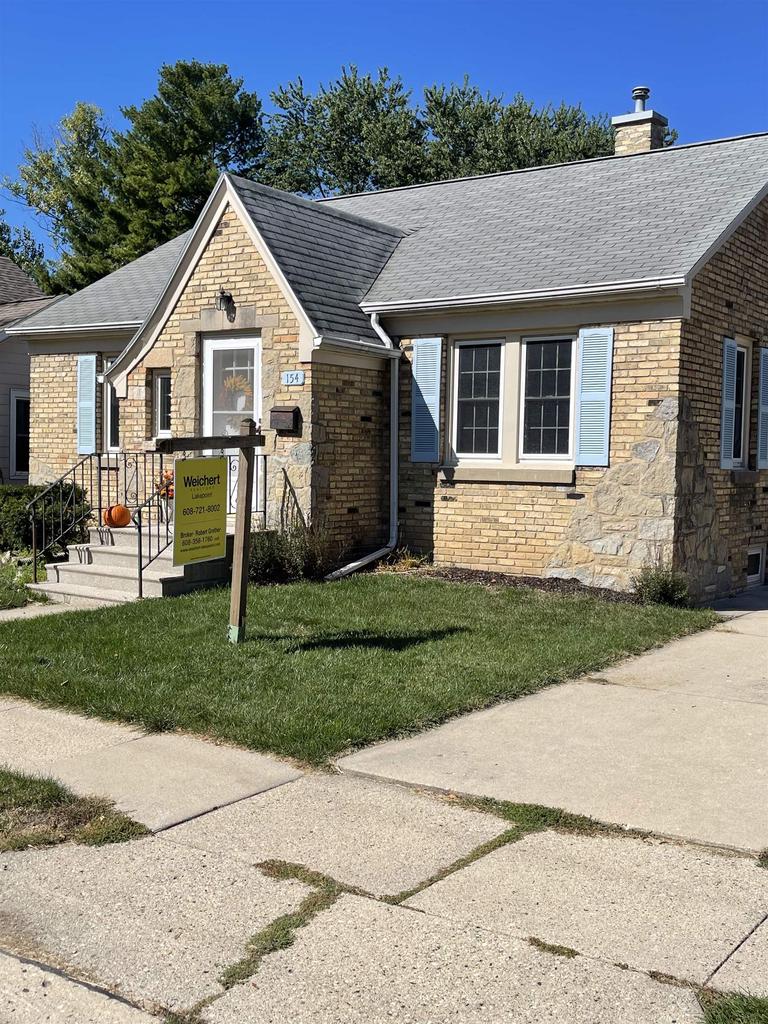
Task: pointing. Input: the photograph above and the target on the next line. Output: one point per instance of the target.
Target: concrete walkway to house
(674, 741)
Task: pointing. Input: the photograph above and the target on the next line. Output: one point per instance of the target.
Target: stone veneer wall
(351, 461)
(722, 512)
(231, 261)
(602, 529)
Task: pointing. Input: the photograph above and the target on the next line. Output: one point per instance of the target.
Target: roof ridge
(542, 167)
(313, 204)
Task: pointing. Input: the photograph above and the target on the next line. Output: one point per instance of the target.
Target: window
(19, 442)
(111, 414)
(162, 403)
(478, 399)
(547, 405)
(756, 566)
(741, 407)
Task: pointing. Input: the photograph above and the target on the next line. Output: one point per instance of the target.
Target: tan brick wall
(230, 261)
(723, 512)
(351, 471)
(623, 516)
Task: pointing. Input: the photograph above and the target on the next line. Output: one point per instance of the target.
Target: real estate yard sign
(200, 514)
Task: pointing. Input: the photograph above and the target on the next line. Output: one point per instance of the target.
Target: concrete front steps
(106, 570)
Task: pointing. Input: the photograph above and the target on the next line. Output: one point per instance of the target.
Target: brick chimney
(640, 131)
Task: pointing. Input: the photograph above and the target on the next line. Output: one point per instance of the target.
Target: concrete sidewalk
(673, 742)
(159, 779)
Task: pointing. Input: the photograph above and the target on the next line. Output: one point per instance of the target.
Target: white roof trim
(71, 328)
(536, 295)
(369, 347)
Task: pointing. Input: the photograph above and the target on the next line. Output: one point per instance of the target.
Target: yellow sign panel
(200, 514)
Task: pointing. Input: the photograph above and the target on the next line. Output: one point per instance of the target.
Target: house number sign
(292, 378)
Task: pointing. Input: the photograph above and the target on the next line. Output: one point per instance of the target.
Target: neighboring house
(582, 353)
(19, 296)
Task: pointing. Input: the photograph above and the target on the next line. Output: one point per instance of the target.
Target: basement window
(756, 566)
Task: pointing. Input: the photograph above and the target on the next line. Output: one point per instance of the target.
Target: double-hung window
(479, 370)
(741, 407)
(111, 413)
(19, 453)
(547, 375)
(161, 402)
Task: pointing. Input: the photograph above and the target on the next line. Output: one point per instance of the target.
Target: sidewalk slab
(33, 738)
(363, 962)
(29, 995)
(747, 970)
(653, 906)
(721, 664)
(165, 778)
(152, 922)
(381, 838)
(675, 764)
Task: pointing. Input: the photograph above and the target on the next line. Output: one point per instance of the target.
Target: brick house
(560, 371)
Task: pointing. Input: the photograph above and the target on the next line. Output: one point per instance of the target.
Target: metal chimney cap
(640, 94)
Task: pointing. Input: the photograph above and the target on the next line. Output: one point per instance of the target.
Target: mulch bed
(453, 574)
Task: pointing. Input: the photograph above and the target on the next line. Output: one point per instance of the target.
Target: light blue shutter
(762, 412)
(86, 404)
(425, 400)
(593, 396)
(728, 403)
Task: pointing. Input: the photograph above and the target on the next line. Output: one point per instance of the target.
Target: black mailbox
(285, 418)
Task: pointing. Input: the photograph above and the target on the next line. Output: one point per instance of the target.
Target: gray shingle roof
(575, 225)
(329, 257)
(123, 297)
(15, 284)
(12, 311)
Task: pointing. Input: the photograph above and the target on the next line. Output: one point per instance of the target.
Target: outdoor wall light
(226, 304)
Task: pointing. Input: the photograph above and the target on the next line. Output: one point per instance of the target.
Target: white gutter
(537, 295)
(387, 351)
(74, 328)
(394, 467)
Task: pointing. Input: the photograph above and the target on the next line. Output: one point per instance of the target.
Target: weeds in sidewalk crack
(762, 858)
(551, 947)
(529, 818)
(281, 933)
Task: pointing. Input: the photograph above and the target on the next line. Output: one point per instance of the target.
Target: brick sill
(516, 475)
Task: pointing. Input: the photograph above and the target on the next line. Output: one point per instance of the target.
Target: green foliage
(15, 522)
(661, 584)
(734, 1009)
(19, 245)
(298, 553)
(109, 196)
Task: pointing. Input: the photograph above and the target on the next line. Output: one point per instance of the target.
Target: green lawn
(36, 811)
(735, 1009)
(325, 666)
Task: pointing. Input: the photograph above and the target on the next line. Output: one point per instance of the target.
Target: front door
(231, 393)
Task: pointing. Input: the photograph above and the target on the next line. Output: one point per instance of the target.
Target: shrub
(661, 584)
(299, 553)
(15, 523)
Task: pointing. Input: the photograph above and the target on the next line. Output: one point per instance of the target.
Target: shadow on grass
(363, 638)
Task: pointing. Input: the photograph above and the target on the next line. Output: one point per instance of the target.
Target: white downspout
(394, 467)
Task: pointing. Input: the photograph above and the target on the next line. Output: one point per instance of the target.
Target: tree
(201, 122)
(68, 183)
(19, 245)
(356, 134)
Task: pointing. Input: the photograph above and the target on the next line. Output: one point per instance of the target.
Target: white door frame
(13, 472)
(211, 343)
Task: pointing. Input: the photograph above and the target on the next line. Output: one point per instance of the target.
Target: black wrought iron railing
(152, 520)
(80, 496)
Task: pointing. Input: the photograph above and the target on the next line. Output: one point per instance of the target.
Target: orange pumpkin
(117, 516)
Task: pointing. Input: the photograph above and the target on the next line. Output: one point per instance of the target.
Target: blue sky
(705, 60)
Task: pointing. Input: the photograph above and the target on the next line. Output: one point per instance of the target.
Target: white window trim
(465, 458)
(759, 579)
(157, 375)
(746, 399)
(15, 395)
(106, 407)
(214, 342)
(566, 460)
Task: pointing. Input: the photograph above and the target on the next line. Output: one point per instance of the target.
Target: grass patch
(733, 1009)
(762, 859)
(549, 947)
(326, 667)
(39, 812)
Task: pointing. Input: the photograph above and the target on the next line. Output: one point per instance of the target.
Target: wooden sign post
(247, 441)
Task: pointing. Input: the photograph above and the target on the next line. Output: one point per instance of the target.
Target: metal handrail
(159, 499)
(65, 489)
